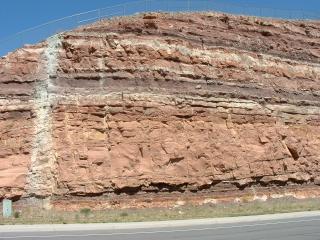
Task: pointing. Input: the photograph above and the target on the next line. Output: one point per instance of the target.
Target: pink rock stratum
(160, 103)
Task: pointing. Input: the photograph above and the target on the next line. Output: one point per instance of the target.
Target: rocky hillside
(162, 103)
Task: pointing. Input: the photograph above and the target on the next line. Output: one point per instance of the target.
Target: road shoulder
(155, 224)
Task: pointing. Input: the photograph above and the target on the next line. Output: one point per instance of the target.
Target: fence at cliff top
(42, 31)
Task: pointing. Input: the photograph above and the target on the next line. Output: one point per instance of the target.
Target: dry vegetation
(86, 215)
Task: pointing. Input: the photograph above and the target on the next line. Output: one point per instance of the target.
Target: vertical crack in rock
(41, 178)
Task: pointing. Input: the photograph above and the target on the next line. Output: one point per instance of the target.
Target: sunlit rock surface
(162, 103)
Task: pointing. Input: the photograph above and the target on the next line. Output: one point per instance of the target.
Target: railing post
(124, 9)
(22, 40)
(99, 14)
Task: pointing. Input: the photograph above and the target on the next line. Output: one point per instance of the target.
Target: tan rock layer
(162, 103)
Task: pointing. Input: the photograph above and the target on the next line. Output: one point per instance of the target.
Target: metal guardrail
(42, 31)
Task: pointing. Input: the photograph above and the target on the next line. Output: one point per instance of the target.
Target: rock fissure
(42, 174)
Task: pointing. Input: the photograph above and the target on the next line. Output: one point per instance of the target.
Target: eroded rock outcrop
(162, 102)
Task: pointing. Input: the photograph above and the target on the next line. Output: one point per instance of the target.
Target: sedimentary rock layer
(162, 102)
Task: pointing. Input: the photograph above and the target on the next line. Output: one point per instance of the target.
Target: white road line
(161, 231)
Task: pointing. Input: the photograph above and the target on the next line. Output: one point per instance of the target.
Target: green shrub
(16, 214)
(85, 211)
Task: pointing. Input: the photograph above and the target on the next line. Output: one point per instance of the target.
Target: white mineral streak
(41, 177)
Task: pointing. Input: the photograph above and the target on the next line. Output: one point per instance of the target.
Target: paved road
(300, 227)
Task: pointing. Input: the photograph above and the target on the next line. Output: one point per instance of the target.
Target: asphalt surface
(297, 227)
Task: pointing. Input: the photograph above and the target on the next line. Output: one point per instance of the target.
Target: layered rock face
(162, 103)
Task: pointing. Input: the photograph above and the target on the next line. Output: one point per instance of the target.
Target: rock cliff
(162, 103)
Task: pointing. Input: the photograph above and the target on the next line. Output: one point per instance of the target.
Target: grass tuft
(85, 211)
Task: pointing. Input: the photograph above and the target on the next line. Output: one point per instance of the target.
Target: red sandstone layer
(162, 102)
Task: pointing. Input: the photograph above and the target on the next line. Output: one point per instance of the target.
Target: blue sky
(17, 15)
